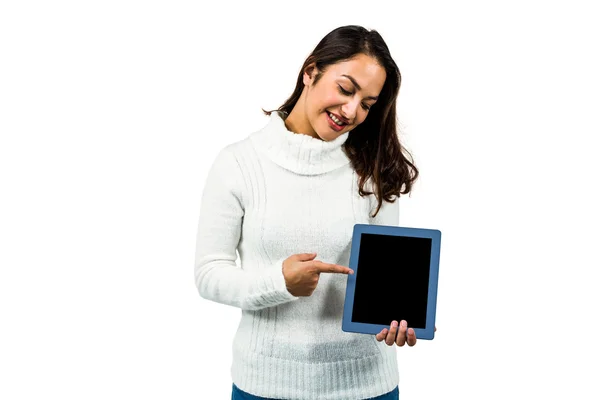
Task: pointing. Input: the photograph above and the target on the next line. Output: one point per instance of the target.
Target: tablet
(395, 278)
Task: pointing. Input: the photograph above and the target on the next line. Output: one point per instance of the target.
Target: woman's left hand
(398, 336)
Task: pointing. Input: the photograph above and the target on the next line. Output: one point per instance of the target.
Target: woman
(287, 198)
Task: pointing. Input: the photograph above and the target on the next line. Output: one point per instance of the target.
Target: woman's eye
(343, 91)
(347, 93)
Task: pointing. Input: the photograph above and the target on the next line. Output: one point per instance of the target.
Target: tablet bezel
(435, 235)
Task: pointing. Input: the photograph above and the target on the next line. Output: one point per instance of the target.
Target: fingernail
(404, 324)
(394, 324)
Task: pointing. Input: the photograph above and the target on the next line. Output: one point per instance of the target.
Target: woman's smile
(333, 124)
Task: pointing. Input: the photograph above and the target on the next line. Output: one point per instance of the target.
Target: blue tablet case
(395, 278)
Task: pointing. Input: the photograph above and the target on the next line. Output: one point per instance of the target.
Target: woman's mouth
(334, 122)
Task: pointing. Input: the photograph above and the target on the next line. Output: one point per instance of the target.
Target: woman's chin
(327, 134)
(326, 137)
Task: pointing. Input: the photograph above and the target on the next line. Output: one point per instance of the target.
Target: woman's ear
(309, 74)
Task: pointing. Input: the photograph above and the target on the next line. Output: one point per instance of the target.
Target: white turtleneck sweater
(271, 195)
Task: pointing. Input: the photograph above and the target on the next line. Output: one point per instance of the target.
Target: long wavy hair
(373, 147)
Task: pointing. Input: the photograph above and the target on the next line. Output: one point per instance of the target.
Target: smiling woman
(339, 103)
(350, 83)
(328, 158)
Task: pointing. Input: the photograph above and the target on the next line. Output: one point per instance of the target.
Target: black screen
(392, 280)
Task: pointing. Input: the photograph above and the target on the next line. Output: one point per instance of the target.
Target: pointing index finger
(331, 268)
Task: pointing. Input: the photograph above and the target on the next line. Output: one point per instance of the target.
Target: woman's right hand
(301, 273)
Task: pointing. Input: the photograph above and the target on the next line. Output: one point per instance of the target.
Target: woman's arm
(218, 278)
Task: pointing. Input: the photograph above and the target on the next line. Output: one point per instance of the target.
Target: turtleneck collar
(297, 152)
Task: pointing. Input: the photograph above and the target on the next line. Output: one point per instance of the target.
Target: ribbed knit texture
(271, 195)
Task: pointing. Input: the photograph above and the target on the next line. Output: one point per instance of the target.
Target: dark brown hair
(373, 147)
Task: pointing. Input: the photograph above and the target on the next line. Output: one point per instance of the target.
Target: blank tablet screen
(392, 280)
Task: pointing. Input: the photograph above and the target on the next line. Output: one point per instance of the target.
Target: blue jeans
(239, 394)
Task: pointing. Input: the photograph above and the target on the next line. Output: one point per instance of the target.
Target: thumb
(305, 256)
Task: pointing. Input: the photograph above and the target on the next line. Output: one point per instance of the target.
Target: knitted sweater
(268, 196)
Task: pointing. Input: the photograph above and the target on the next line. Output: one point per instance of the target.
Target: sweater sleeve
(217, 276)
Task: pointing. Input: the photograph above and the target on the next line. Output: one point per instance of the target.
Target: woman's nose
(349, 110)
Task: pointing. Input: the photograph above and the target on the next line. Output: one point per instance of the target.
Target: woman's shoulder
(229, 154)
(248, 142)
(233, 159)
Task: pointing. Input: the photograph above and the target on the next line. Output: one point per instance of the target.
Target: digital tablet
(395, 278)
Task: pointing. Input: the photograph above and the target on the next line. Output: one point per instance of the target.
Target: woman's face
(346, 89)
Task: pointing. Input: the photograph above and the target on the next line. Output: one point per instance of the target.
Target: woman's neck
(300, 153)
(297, 122)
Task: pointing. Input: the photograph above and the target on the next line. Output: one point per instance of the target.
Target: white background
(111, 113)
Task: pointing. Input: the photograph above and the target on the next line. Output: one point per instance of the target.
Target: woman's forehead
(361, 70)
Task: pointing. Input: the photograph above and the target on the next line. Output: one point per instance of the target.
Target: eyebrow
(358, 86)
